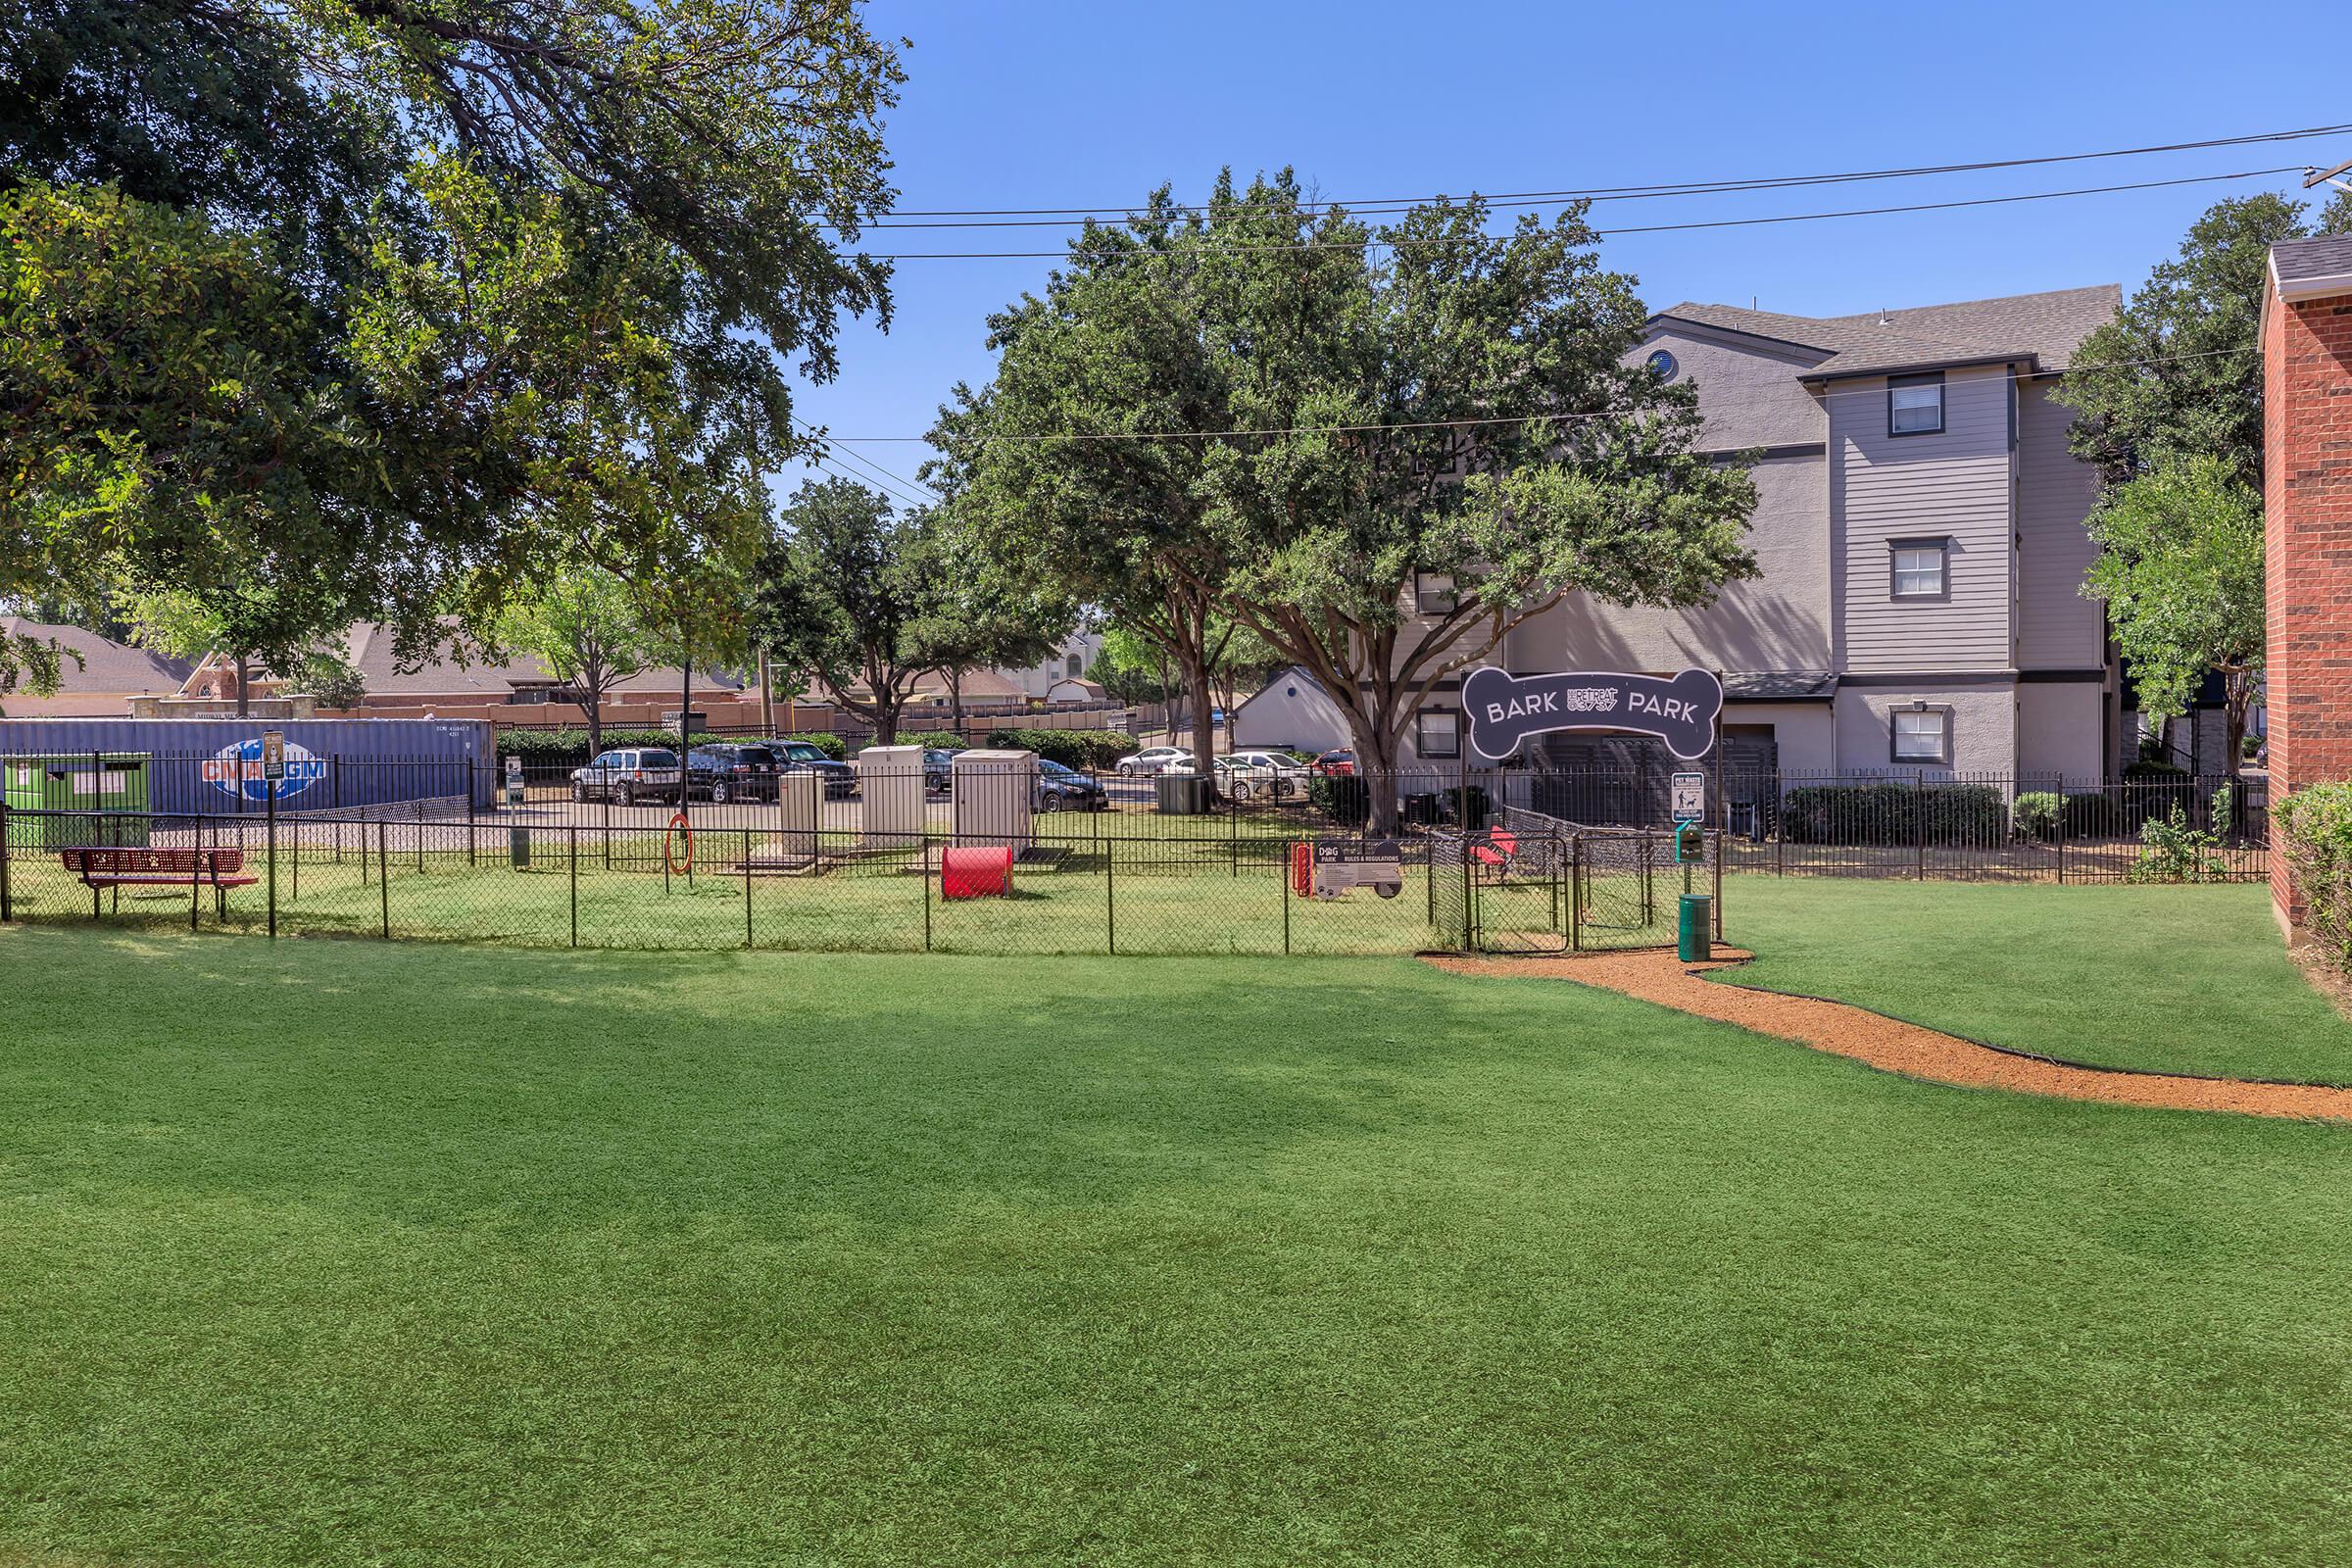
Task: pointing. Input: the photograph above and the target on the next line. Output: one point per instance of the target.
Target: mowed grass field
(2165, 979)
(350, 1253)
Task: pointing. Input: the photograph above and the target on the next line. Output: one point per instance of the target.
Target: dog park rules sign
(1504, 711)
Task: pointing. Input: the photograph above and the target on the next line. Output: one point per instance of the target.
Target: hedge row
(1072, 748)
(1894, 813)
(2316, 826)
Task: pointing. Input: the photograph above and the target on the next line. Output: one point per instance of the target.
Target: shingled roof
(2041, 329)
(2305, 261)
(104, 667)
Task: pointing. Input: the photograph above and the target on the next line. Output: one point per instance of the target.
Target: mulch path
(1892, 1046)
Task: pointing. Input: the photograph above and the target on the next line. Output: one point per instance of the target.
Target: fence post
(469, 821)
(574, 863)
(269, 788)
(1717, 889)
(195, 860)
(7, 846)
(1110, 900)
(747, 888)
(1576, 892)
(1919, 810)
(383, 869)
(2061, 815)
(1281, 881)
(1469, 892)
(922, 863)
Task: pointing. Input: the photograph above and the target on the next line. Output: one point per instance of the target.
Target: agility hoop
(680, 831)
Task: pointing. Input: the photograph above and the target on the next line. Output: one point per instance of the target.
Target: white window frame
(1897, 386)
(1941, 547)
(1941, 719)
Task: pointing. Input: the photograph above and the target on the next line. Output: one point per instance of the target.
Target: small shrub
(2174, 849)
(1345, 801)
(831, 745)
(936, 740)
(2036, 814)
(2316, 828)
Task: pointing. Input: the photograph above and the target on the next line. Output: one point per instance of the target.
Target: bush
(2171, 850)
(1894, 813)
(2038, 815)
(2316, 826)
(1345, 801)
(935, 740)
(1082, 749)
(829, 743)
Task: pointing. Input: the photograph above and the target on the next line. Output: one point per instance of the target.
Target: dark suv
(841, 779)
(732, 771)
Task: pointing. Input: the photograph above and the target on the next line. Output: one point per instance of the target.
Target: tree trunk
(596, 722)
(244, 688)
(1197, 682)
(1376, 766)
(886, 720)
(767, 695)
(956, 701)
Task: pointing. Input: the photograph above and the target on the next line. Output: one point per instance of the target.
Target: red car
(1336, 765)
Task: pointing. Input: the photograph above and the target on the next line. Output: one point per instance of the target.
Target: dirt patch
(1908, 1049)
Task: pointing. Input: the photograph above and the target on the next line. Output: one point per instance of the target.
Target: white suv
(1275, 773)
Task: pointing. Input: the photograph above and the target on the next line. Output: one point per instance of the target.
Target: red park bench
(142, 867)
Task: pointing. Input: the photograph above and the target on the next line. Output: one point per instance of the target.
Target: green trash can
(1695, 930)
(103, 781)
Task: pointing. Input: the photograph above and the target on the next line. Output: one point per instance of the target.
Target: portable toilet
(86, 781)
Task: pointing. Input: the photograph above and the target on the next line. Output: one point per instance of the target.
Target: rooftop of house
(2305, 261)
(454, 671)
(105, 666)
(2044, 329)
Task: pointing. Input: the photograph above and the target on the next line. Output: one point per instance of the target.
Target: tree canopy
(419, 298)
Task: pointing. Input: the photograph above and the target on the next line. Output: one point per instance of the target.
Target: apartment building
(1920, 534)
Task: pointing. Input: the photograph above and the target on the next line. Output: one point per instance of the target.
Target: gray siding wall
(1778, 620)
(2057, 628)
(1884, 487)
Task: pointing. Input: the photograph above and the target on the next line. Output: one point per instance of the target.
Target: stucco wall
(1983, 727)
(1292, 710)
(2059, 730)
(1749, 394)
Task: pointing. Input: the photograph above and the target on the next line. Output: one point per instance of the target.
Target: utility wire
(1045, 217)
(881, 475)
(1215, 248)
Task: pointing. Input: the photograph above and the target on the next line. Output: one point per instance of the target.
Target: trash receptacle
(110, 782)
(1695, 935)
(1181, 794)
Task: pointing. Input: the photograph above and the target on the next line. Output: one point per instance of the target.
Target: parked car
(938, 769)
(1290, 775)
(1340, 764)
(732, 771)
(628, 774)
(1065, 788)
(1153, 760)
(800, 757)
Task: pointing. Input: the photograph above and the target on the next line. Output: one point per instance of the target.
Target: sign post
(518, 836)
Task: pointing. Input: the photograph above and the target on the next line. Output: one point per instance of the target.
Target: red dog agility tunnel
(978, 872)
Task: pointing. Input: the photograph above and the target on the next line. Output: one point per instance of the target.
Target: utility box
(800, 801)
(92, 781)
(994, 798)
(890, 790)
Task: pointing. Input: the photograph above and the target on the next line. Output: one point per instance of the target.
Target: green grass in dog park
(360, 1252)
(2187, 979)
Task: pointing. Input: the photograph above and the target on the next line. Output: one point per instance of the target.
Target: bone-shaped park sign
(1505, 710)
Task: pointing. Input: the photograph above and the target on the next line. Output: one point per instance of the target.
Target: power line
(826, 464)
(881, 475)
(1239, 248)
(1457, 424)
(1020, 216)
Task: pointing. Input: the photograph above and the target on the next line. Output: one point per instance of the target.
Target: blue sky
(1052, 104)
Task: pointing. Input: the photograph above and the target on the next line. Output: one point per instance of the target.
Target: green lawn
(2176, 979)
(342, 1253)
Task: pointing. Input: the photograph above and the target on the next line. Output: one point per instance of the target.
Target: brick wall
(2306, 506)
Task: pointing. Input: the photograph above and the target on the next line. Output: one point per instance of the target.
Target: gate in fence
(1533, 882)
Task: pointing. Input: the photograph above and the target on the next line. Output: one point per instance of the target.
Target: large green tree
(423, 295)
(855, 593)
(584, 625)
(2180, 568)
(1272, 415)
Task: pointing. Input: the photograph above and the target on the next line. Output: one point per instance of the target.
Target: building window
(1438, 732)
(1077, 664)
(1923, 735)
(1918, 566)
(1915, 403)
(1433, 594)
